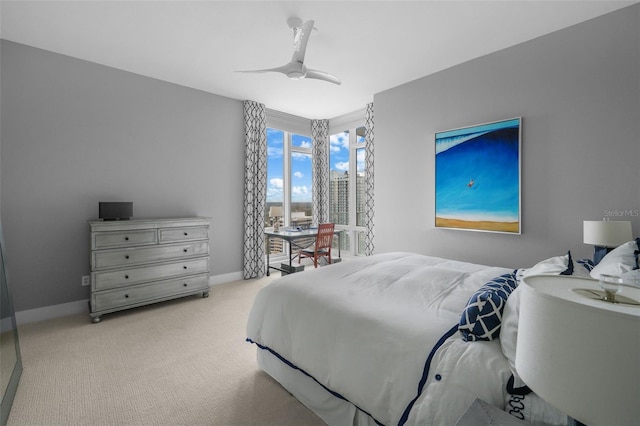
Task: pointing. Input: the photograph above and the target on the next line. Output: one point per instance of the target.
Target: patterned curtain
(255, 186)
(320, 180)
(369, 218)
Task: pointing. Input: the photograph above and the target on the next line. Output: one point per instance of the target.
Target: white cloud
(339, 141)
(276, 183)
(299, 190)
(342, 166)
(300, 156)
(275, 190)
(299, 175)
(274, 194)
(273, 152)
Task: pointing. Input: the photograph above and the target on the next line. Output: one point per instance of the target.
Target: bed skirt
(331, 409)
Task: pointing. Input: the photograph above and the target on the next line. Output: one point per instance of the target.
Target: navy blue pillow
(482, 317)
(586, 264)
(569, 270)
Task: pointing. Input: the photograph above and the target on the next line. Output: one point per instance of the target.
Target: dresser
(142, 261)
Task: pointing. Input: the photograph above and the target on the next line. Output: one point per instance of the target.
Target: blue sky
(301, 165)
(339, 152)
(301, 187)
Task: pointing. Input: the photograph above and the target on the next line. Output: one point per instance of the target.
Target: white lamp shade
(579, 354)
(275, 211)
(606, 233)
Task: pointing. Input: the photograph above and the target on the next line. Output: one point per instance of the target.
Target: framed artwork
(478, 177)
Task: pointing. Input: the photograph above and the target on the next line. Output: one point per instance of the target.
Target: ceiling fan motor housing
(296, 69)
(297, 73)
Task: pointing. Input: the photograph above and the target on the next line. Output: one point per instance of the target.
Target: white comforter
(365, 328)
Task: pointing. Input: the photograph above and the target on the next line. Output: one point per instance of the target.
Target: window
(289, 182)
(347, 186)
(300, 182)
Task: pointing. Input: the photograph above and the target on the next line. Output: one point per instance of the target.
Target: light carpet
(183, 362)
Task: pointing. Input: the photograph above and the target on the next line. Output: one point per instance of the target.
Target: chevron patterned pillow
(586, 264)
(482, 317)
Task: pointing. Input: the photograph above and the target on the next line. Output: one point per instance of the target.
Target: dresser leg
(205, 294)
(96, 320)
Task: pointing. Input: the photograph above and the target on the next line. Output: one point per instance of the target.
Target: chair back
(325, 236)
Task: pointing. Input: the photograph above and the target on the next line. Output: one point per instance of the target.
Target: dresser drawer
(171, 235)
(133, 256)
(129, 276)
(147, 292)
(140, 261)
(103, 240)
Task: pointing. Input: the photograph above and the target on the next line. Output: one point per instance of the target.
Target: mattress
(380, 335)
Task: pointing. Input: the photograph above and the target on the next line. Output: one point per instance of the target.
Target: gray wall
(75, 133)
(578, 92)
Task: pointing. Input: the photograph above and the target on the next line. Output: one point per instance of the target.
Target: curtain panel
(255, 186)
(369, 213)
(320, 179)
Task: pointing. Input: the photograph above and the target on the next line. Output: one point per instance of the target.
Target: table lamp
(605, 235)
(579, 353)
(275, 213)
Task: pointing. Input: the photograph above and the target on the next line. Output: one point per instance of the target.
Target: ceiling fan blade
(293, 70)
(300, 40)
(296, 69)
(285, 69)
(321, 75)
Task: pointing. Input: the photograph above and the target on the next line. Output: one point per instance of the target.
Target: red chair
(322, 246)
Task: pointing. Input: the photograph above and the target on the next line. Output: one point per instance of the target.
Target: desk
(290, 235)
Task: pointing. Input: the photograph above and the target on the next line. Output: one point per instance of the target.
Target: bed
(387, 339)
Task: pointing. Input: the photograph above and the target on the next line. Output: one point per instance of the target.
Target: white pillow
(557, 265)
(509, 329)
(580, 271)
(620, 260)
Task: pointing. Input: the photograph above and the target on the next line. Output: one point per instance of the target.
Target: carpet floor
(182, 362)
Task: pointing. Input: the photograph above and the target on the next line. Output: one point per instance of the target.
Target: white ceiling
(371, 45)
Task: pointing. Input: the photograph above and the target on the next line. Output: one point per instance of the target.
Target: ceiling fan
(296, 69)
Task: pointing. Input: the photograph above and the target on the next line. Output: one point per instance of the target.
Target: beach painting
(477, 177)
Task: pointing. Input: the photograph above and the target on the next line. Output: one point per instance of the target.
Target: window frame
(289, 125)
(350, 123)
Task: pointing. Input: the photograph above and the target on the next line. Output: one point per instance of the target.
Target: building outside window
(347, 187)
(289, 178)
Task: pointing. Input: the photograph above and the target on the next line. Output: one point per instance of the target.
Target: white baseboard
(225, 278)
(82, 306)
(51, 312)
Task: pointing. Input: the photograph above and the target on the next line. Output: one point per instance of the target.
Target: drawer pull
(184, 267)
(185, 234)
(127, 256)
(185, 284)
(126, 277)
(126, 296)
(126, 238)
(185, 250)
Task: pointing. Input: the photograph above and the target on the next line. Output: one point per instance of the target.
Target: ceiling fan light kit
(296, 69)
